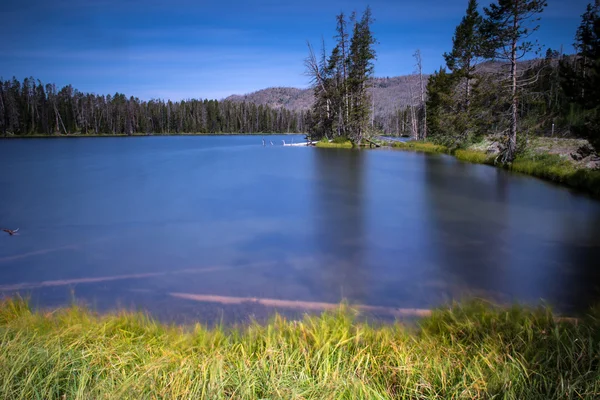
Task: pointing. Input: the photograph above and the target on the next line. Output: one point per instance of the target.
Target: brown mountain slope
(388, 95)
(275, 97)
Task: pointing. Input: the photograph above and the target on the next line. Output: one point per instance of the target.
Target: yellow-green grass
(473, 156)
(335, 145)
(426, 147)
(466, 351)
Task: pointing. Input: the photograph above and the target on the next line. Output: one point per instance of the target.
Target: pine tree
(581, 78)
(466, 49)
(361, 57)
(587, 45)
(506, 30)
(342, 44)
(441, 105)
(450, 93)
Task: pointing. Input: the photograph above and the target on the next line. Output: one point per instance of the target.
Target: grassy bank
(468, 351)
(425, 147)
(550, 167)
(335, 144)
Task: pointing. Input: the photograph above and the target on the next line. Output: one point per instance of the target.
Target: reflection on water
(134, 221)
(511, 238)
(339, 239)
(467, 234)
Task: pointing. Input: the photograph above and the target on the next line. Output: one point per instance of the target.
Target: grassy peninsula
(472, 350)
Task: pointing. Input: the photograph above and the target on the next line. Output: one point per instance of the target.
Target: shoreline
(541, 164)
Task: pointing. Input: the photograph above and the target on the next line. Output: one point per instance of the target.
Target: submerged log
(372, 143)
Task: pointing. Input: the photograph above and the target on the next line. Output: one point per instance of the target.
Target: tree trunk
(423, 104)
(468, 94)
(511, 146)
(414, 129)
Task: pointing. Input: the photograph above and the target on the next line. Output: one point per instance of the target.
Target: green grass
(466, 351)
(336, 144)
(426, 147)
(472, 156)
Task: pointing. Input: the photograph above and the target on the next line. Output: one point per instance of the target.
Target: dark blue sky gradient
(210, 49)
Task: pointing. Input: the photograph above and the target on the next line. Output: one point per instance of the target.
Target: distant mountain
(389, 94)
(276, 97)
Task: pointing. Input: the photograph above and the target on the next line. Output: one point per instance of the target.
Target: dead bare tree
(423, 104)
(414, 127)
(313, 70)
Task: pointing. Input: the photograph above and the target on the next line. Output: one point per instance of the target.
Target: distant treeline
(30, 107)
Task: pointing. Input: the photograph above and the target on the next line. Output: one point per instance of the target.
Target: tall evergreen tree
(587, 45)
(506, 29)
(441, 105)
(466, 49)
(342, 44)
(581, 76)
(361, 57)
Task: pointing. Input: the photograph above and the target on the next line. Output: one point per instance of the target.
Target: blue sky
(182, 49)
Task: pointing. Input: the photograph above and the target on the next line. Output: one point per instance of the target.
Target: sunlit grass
(426, 147)
(466, 351)
(338, 143)
(472, 156)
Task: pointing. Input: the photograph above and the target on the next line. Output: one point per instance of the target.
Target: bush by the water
(465, 351)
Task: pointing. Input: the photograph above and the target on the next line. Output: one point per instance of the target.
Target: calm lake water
(145, 222)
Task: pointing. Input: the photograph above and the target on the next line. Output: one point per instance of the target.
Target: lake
(165, 224)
